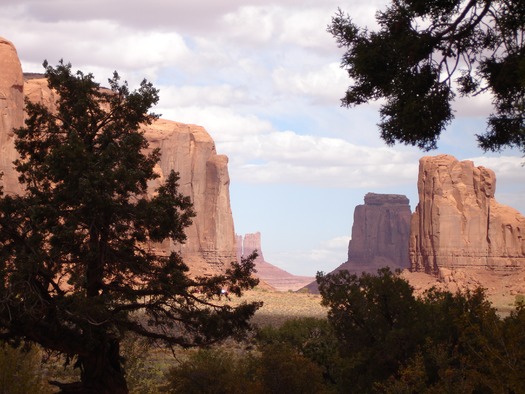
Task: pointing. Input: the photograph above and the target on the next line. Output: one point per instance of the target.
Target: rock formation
(252, 242)
(380, 234)
(11, 112)
(276, 277)
(187, 149)
(459, 224)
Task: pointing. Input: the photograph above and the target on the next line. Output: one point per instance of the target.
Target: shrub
(20, 370)
(209, 372)
(281, 370)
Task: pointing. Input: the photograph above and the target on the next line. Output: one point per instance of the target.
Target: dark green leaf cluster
(426, 52)
(393, 342)
(275, 369)
(78, 260)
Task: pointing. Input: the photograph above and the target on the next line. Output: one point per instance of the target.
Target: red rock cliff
(11, 111)
(380, 234)
(188, 149)
(459, 224)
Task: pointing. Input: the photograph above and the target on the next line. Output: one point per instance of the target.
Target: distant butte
(380, 235)
(276, 277)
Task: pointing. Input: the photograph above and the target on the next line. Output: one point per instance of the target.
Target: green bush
(20, 371)
(275, 369)
(209, 372)
(281, 370)
(144, 373)
(310, 337)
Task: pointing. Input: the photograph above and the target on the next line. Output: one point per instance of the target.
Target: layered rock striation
(11, 112)
(187, 149)
(204, 177)
(380, 234)
(459, 224)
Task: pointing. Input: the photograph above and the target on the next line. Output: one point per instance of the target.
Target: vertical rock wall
(11, 112)
(187, 149)
(380, 233)
(459, 224)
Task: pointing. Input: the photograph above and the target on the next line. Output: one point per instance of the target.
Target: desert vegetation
(79, 272)
(363, 334)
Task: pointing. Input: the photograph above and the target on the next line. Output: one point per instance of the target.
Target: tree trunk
(101, 372)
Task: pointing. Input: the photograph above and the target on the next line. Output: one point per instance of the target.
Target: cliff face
(187, 149)
(380, 234)
(459, 224)
(11, 111)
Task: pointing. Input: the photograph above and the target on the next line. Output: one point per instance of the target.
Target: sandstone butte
(459, 224)
(270, 275)
(380, 234)
(188, 149)
(461, 236)
(458, 238)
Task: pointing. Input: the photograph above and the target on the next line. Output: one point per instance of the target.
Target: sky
(264, 78)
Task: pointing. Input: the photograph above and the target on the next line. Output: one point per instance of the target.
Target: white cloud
(225, 125)
(214, 95)
(251, 24)
(508, 169)
(307, 28)
(286, 157)
(325, 84)
(96, 46)
(325, 256)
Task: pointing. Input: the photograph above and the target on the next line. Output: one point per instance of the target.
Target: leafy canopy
(424, 53)
(392, 341)
(78, 266)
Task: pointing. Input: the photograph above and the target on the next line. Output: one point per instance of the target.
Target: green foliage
(393, 342)
(78, 267)
(20, 371)
(377, 320)
(309, 337)
(210, 372)
(425, 53)
(282, 370)
(144, 372)
(275, 369)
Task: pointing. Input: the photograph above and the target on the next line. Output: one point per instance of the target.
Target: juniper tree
(77, 266)
(425, 53)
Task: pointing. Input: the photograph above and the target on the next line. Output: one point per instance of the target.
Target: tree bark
(101, 372)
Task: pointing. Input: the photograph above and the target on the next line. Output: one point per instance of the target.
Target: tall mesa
(459, 224)
(187, 149)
